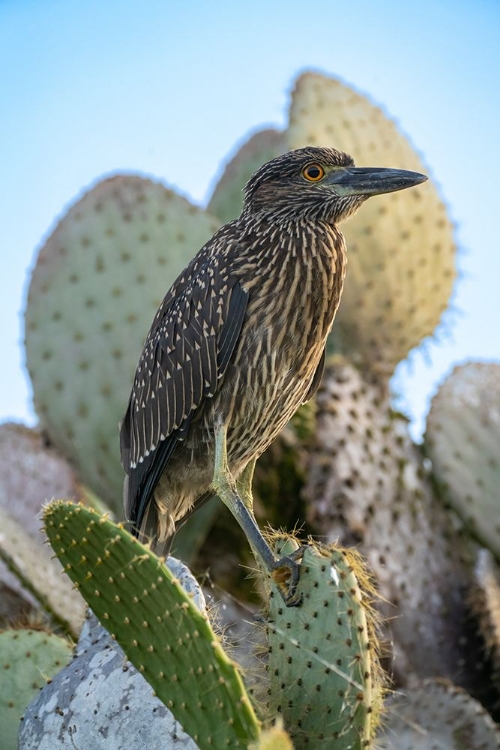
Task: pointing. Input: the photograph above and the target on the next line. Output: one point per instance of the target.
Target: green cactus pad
(462, 439)
(94, 291)
(227, 199)
(28, 658)
(33, 566)
(437, 715)
(324, 675)
(160, 629)
(400, 246)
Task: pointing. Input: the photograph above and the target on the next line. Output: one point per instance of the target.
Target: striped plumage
(240, 336)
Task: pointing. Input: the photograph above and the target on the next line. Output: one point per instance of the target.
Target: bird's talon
(286, 574)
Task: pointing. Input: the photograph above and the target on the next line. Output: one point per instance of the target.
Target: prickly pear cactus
(137, 599)
(462, 439)
(30, 474)
(400, 246)
(33, 567)
(367, 486)
(324, 675)
(28, 658)
(94, 291)
(227, 199)
(436, 714)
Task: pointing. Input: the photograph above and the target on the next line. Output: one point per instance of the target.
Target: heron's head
(319, 184)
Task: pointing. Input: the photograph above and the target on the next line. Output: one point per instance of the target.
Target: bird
(238, 344)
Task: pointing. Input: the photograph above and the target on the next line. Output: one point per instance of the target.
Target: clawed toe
(286, 574)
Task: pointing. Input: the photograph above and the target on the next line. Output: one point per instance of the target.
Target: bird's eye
(313, 172)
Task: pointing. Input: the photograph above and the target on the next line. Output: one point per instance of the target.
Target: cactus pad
(31, 472)
(28, 658)
(166, 638)
(324, 676)
(462, 439)
(437, 715)
(367, 486)
(35, 570)
(227, 199)
(94, 291)
(400, 246)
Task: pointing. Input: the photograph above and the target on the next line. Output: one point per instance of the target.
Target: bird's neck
(322, 258)
(303, 264)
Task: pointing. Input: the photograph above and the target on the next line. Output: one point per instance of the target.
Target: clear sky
(168, 88)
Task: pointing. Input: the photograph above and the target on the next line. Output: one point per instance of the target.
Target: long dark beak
(371, 180)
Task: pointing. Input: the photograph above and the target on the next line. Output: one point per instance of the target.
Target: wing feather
(187, 351)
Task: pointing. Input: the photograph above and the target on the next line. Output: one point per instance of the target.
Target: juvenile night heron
(238, 343)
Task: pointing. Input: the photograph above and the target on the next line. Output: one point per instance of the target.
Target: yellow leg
(227, 489)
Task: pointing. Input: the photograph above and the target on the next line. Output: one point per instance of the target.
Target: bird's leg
(226, 488)
(244, 485)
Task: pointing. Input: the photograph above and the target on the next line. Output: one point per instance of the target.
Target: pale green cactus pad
(400, 246)
(323, 668)
(437, 715)
(227, 199)
(162, 632)
(462, 440)
(28, 658)
(94, 291)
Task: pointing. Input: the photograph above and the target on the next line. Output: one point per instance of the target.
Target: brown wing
(185, 355)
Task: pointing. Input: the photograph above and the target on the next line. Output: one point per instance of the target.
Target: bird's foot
(285, 572)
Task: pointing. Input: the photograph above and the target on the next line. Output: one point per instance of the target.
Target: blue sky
(168, 89)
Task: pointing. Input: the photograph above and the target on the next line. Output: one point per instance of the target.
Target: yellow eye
(313, 172)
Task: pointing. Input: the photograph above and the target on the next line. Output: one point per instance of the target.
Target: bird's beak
(371, 180)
